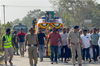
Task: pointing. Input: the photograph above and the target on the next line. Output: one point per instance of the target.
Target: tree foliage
(28, 19)
(76, 11)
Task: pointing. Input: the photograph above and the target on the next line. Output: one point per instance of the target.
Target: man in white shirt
(64, 45)
(86, 42)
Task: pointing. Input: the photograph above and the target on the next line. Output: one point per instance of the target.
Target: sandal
(11, 63)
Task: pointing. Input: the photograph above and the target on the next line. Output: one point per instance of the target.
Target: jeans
(69, 53)
(86, 50)
(95, 52)
(62, 52)
(16, 46)
(54, 49)
(41, 51)
(59, 52)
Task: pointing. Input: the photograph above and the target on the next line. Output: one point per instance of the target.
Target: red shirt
(21, 36)
(54, 38)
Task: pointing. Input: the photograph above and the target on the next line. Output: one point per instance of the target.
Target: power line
(26, 6)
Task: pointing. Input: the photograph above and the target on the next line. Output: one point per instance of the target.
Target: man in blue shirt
(94, 39)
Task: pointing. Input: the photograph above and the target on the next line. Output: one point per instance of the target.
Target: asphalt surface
(24, 61)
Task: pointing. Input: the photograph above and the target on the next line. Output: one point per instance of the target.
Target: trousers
(95, 52)
(75, 48)
(32, 52)
(86, 52)
(41, 51)
(21, 47)
(54, 49)
(64, 54)
(10, 50)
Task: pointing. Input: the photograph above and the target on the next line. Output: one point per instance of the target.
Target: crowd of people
(79, 45)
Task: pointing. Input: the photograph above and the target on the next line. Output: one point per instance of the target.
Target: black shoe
(17, 54)
(51, 62)
(76, 60)
(89, 61)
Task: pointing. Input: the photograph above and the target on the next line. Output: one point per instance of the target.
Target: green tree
(28, 19)
(77, 10)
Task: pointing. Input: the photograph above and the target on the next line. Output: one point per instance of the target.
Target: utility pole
(4, 13)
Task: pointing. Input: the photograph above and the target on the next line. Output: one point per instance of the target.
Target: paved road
(24, 61)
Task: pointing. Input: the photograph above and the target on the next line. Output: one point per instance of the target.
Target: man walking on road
(86, 42)
(95, 46)
(64, 45)
(7, 46)
(74, 38)
(21, 40)
(54, 39)
(69, 50)
(41, 37)
(32, 41)
(15, 42)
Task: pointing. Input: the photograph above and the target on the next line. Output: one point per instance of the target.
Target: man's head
(31, 30)
(64, 30)
(84, 31)
(54, 29)
(67, 30)
(90, 31)
(15, 32)
(21, 30)
(94, 30)
(80, 31)
(76, 28)
(8, 31)
(40, 30)
(57, 30)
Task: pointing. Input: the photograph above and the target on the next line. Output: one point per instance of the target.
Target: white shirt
(64, 39)
(86, 41)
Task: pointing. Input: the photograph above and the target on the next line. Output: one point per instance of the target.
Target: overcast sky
(14, 12)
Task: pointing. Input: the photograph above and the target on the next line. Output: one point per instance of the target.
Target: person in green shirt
(7, 46)
(95, 46)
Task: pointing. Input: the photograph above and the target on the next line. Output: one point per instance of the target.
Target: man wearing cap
(75, 40)
(95, 46)
(7, 46)
(32, 41)
(86, 42)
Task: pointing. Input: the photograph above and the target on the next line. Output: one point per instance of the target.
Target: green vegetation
(76, 11)
(28, 19)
